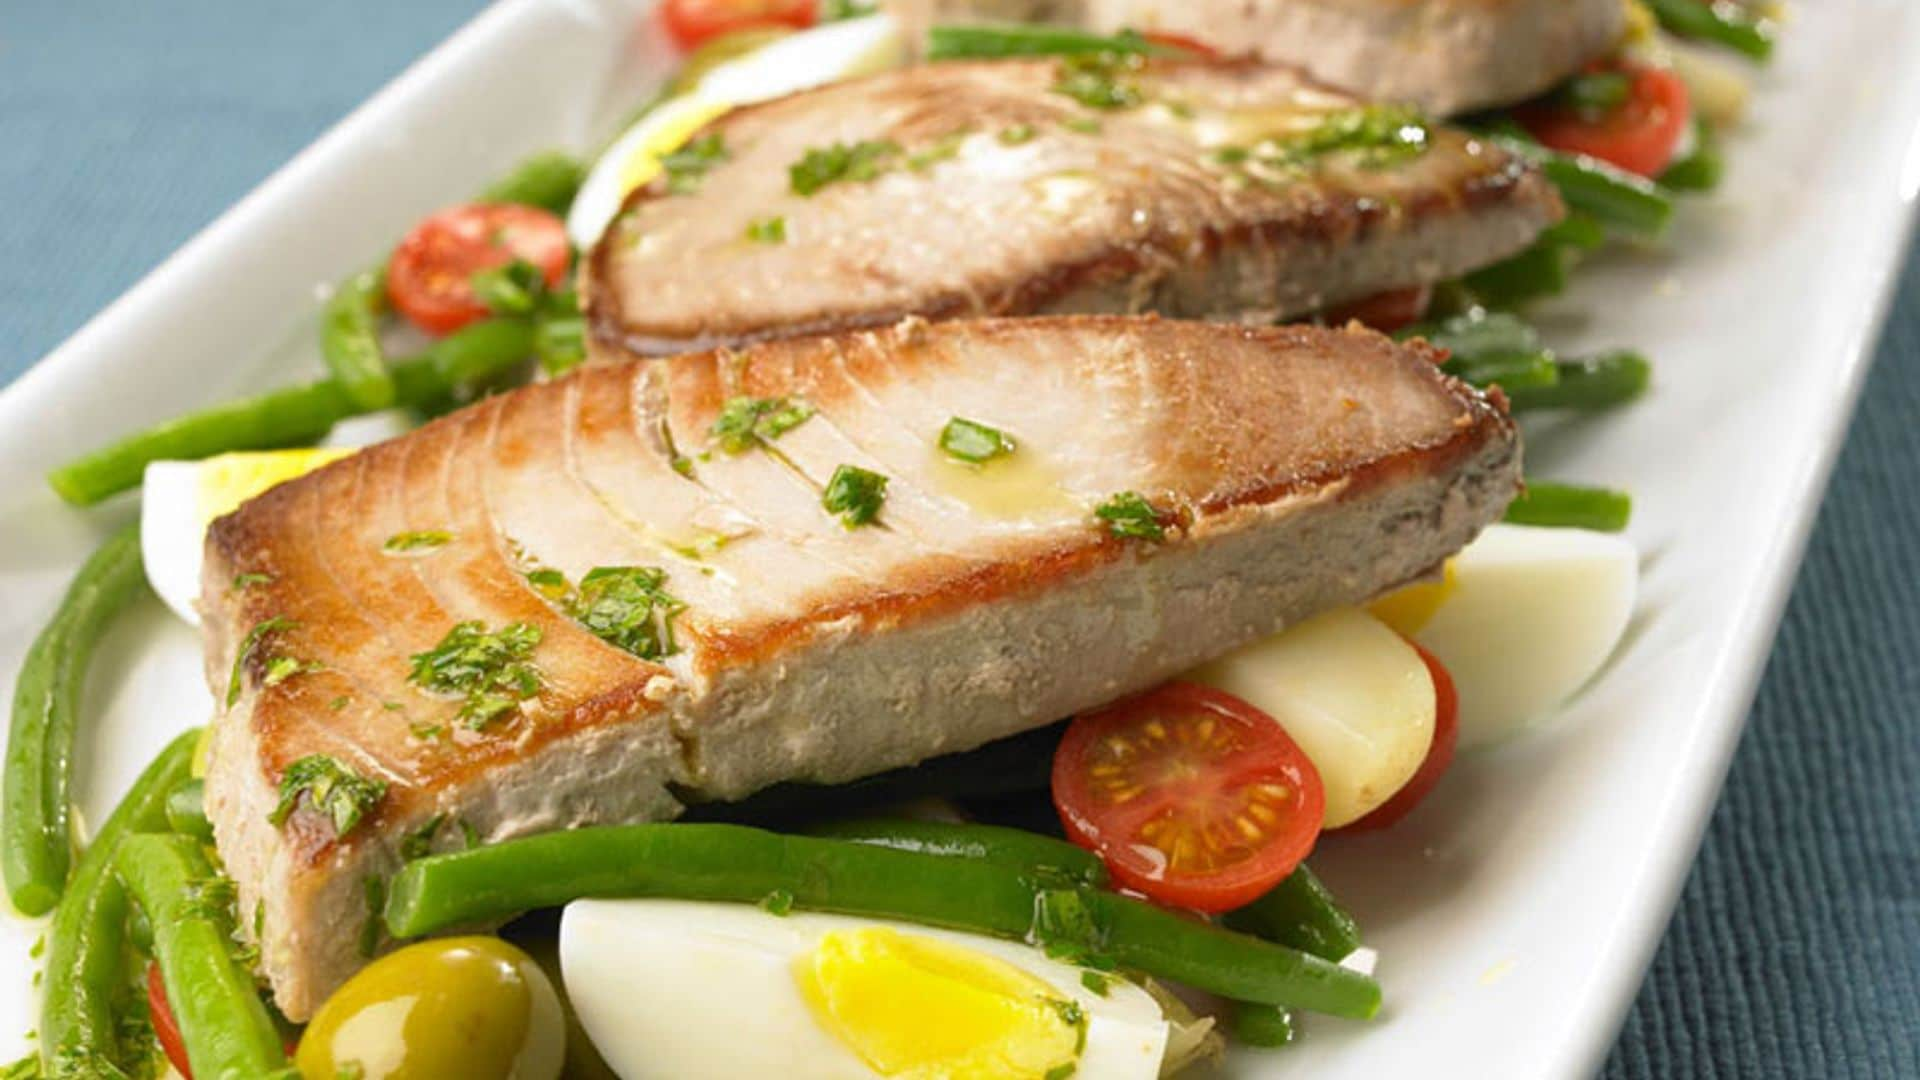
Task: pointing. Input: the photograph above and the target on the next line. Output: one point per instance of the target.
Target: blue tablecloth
(1796, 951)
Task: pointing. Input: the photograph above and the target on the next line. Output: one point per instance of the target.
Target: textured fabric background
(124, 127)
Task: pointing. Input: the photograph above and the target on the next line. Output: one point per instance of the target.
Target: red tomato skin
(1640, 136)
(1446, 737)
(165, 1028)
(1385, 312)
(1185, 42)
(1270, 755)
(427, 277)
(692, 23)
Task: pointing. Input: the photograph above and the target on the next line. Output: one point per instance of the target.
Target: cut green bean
(350, 339)
(1300, 913)
(1701, 168)
(1018, 849)
(1265, 1026)
(228, 1032)
(1721, 22)
(187, 811)
(547, 180)
(999, 41)
(1479, 333)
(86, 959)
(1528, 371)
(1597, 382)
(1614, 197)
(36, 846)
(744, 865)
(1570, 507)
(295, 415)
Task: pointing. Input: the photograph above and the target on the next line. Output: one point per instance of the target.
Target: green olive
(472, 1007)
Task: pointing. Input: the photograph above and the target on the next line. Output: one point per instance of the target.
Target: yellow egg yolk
(688, 117)
(231, 479)
(1409, 609)
(923, 1009)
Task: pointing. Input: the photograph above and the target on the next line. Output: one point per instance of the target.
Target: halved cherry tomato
(1641, 135)
(1446, 734)
(1385, 312)
(429, 276)
(1191, 796)
(165, 1027)
(1182, 41)
(693, 22)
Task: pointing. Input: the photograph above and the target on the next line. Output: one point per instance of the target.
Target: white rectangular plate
(1515, 914)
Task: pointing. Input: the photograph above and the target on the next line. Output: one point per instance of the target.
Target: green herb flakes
(778, 902)
(282, 668)
(972, 441)
(418, 844)
(489, 669)
(748, 422)
(1129, 514)
(687, 166)
(771, 230)
(945, 148)
(1100, 80)
(248, 581)
(855, 494)
(260, 630)
(1016, 134)
(406, 543)
(853, 162)
(333, 790)
(1097, 982)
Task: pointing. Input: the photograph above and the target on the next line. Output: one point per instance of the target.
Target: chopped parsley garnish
(1096, 981)
(214, 898)
(1129, 514)
(1085, 125)
(855, 494)
(513, 289)
(777, 902)
(970, 440)
(418, 844)
(855, 162)
(771, 230)
(1379, 135)
(248, 581)
(469, 835)
(333, 790)
(687, 166)
(488, 668)
(282, 668)
(836, 10)
(1100, 80)
(418, 540)
(747, 422)
(628, 607)
(550, 583)
(247, 646)
(945, 148)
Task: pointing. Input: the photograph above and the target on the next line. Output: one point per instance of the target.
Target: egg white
(676, 989)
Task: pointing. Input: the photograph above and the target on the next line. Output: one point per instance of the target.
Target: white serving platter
(1516, 913)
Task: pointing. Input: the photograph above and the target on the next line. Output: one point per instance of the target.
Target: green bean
(350, 339)
(1300, 913)
(1616, 198)
(1532, 371)
(1261, 1025)
(1702, 167)
(1540, 271)
(1721, 22)
(739, 864)
(86, 960)
(1597, 382)
(187, 811)
(1478, 333)
(998, 41)
(1570, 507)
(226, 1027)
(294, 415)
(1028, 852)
(548, 180)
(46, 707)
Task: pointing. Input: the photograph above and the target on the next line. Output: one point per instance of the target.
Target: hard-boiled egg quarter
(1524, 618)
(179, 499)
(1352, 693)
(676, 989)
(838, 50)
